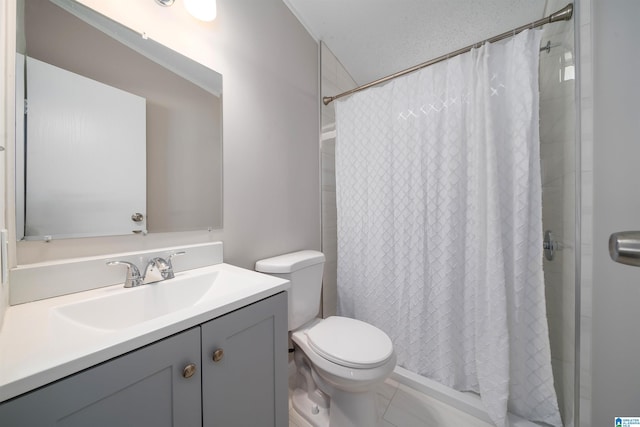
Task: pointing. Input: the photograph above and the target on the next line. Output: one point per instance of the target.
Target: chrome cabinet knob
(218, 355)
(137, 217)
(189, 370)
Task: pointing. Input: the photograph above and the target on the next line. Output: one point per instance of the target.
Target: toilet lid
(350, 342)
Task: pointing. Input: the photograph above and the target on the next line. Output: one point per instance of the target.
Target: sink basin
(129, 307)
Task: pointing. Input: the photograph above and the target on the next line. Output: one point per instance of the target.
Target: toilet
(339, 361)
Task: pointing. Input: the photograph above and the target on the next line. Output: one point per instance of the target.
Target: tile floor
(401, 406)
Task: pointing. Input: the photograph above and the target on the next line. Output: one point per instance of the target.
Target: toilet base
(346, 409)
(309, 410)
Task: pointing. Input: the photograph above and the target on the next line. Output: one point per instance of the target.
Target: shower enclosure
(558, 165)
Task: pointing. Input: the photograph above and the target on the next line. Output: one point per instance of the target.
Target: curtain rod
(563, 14)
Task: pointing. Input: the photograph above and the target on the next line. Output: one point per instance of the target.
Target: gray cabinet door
(143, 388)
(248, 385)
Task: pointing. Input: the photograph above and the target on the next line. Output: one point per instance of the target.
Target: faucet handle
(133, 274)
(175, 254)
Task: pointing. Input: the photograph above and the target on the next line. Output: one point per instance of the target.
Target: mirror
(73, 185)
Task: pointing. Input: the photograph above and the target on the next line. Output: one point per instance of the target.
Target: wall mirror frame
(183, 114)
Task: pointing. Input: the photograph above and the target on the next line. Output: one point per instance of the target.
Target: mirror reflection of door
(86, 156)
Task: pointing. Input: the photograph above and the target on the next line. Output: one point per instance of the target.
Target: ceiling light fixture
(204, 10)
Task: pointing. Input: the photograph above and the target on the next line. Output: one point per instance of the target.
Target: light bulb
(204, 10)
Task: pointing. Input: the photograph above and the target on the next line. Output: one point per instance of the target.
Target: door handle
(624, 247)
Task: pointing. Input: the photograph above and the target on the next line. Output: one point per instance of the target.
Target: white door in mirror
(86, 148)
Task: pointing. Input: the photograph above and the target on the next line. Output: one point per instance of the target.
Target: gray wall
(271, 173)
(616, 287)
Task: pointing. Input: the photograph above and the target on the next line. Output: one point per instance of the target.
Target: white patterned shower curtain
(440, 224)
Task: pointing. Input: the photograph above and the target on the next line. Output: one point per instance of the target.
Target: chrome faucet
(133, 274)
(159, 269)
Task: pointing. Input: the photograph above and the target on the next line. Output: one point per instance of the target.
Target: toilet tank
(304, 270)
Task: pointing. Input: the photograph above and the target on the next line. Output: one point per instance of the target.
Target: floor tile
(410, 407)
(387, 388)
(401, 406)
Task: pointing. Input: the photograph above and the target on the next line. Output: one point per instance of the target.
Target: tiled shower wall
(335, 80)
(585, 78)
(558, 163)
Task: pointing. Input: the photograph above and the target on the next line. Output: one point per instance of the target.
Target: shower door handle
(624, 247)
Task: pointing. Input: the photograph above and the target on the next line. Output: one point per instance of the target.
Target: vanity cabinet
(176, 381)
(244, 366)
(143, 388)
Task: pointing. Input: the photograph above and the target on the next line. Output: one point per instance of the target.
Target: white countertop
(37, 347)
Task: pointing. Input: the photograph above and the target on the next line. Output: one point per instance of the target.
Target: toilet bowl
(339, 361)
(349, 359)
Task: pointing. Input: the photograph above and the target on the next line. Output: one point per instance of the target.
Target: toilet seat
(350, 342)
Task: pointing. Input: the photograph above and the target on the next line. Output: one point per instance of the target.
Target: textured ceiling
(375, 38)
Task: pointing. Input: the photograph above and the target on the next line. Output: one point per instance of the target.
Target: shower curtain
(440, 224)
